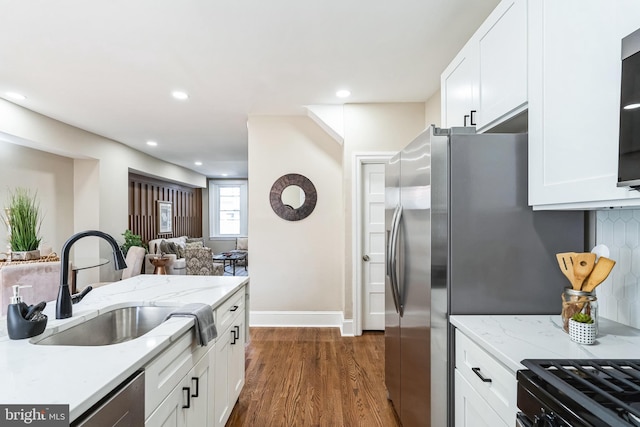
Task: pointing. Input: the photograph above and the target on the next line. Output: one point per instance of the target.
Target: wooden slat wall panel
(186, 202)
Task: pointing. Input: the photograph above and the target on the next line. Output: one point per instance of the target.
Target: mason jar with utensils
(574, 302)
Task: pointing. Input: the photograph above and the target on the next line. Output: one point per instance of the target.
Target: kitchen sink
(112, 327)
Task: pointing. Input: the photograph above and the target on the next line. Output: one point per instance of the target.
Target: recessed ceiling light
(224, 174)
(343, 93)
(16, 96)
(152, 143)
(177, 94)
(197, 163)
(631, 106)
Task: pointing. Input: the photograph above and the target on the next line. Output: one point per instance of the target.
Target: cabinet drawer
(226, 312)
(473, 363)
(166, 371)
(471, 409)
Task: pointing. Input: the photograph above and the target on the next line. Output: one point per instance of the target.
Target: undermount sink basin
(112, 327)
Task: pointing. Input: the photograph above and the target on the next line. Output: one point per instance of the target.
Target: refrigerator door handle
(390, 242)
(391, 256)
(395, 288)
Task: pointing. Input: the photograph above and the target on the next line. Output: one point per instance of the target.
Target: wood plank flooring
(313, 377)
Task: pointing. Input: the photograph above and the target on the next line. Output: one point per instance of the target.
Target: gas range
(576, 393)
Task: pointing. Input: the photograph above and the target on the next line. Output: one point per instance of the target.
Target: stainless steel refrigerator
(461, 239)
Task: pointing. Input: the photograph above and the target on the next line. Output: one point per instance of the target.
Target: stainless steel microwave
(629, 139)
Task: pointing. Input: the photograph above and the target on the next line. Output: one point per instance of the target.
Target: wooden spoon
(566, 265)
(582, 265)
(600, 272)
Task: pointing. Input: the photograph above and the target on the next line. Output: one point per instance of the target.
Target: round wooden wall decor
(287, 211)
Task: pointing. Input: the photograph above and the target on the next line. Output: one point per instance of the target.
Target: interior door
(373, 247)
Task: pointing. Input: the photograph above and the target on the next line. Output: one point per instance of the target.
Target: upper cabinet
(486, 83)
(560, 60)
(574, 96)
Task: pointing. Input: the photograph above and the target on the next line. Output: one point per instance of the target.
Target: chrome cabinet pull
(483, 378)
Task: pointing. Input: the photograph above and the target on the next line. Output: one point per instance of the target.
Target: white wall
(51, 176)
(295, 265)
(433, 110)
(100, 170)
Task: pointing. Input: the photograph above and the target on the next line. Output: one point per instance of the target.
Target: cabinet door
(170, 413)
(502, 53)
(459, 86)
(471, 410)
(236, 360)
(221, 401)
(574, 96)
(198, 383)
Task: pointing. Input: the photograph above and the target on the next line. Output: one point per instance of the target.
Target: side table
(159, 264)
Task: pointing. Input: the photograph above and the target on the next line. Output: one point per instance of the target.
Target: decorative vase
(582, 333)
(25, 256)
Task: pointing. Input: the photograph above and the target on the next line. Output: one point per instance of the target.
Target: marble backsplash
(619, 295)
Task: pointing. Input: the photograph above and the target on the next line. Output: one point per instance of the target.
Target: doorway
(369, 242)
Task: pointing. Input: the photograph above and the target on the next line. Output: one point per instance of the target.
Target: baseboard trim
(315, 319)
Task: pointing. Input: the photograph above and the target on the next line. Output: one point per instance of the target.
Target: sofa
(175, 249)
(43, 277)
(177, 263)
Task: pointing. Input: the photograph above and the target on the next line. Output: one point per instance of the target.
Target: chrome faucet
(64, 303)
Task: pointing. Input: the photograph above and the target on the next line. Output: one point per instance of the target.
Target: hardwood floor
(313, 377)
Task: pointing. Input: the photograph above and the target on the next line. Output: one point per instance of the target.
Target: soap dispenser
(18, 325)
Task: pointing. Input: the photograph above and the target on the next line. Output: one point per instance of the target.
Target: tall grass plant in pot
(24, 219)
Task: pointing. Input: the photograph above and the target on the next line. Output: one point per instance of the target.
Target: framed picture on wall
(165, 223)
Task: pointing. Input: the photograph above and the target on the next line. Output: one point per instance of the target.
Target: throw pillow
(198, 244)
(195, 240)
(168, 248)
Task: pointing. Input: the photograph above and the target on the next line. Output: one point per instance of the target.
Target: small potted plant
(24, 221)
(582, 328)
(131, 239)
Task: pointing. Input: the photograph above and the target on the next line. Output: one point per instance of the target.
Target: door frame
(359, 160)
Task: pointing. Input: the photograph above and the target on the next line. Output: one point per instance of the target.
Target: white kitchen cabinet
(459, 88)
(471, 409)
(574, 96)
(190, 385)
(237, 359)
(502, 58)
(188, 402)
(486, 83)
(166, 371)
(229, 368)
(485, 390)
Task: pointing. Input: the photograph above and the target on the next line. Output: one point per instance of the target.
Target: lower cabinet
(190, 385)
(188, 404)
(471, 410)
(485, 390)
(229, 370)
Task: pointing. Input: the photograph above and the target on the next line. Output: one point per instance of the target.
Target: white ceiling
(109, 66)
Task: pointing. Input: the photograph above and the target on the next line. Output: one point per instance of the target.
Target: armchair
(199, 260)
(242, 246)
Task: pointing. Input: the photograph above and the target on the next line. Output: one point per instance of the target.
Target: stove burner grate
(610, 389)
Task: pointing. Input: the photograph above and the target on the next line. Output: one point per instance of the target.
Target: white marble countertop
(513, 338)
(81, 376)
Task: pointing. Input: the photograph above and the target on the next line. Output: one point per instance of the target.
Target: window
(227, 208)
